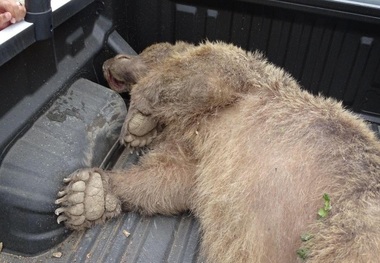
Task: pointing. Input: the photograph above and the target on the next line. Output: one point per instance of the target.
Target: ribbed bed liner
(130, 238)
(156, 239)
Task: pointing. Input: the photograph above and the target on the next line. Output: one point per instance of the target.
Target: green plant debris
(303, 253)
(306, 237)
(324, 211)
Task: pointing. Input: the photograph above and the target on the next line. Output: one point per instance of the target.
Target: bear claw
(85, 200)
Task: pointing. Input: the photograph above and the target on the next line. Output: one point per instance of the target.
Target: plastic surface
(77, 131)
(36, 76)
(129, 238)
(361, 10)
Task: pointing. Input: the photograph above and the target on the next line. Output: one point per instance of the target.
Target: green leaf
(303, 253)
(306, 237)
(322, 212)
(326, 197)
(327, 206)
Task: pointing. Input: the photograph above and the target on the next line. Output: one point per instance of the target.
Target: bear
(272, 172)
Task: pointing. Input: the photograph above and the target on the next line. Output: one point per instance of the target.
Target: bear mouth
(115, 84)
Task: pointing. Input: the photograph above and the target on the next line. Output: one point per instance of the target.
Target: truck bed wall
(334, 53)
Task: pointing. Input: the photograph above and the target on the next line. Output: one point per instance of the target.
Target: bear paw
(139, 130)
(85, 201)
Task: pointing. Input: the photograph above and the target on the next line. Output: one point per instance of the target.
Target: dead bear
(236, 141)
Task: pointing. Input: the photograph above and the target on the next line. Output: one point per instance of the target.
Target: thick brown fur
(251, 155)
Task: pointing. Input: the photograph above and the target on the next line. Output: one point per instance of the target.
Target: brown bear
(235, 140)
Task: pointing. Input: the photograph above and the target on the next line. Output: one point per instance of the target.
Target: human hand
(10, 12)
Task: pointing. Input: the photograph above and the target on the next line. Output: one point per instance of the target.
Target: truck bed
(331, 47)
(129, 238)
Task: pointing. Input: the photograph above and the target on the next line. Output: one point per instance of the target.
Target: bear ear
(134, 70)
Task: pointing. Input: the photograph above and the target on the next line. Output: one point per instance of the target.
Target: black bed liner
(331, 47)
(76, 131)
(151, 240)
(130, 238)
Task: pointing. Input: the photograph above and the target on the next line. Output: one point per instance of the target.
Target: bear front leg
(86, 200)
(162, 182)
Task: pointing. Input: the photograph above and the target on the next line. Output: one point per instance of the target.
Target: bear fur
(246, 150)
